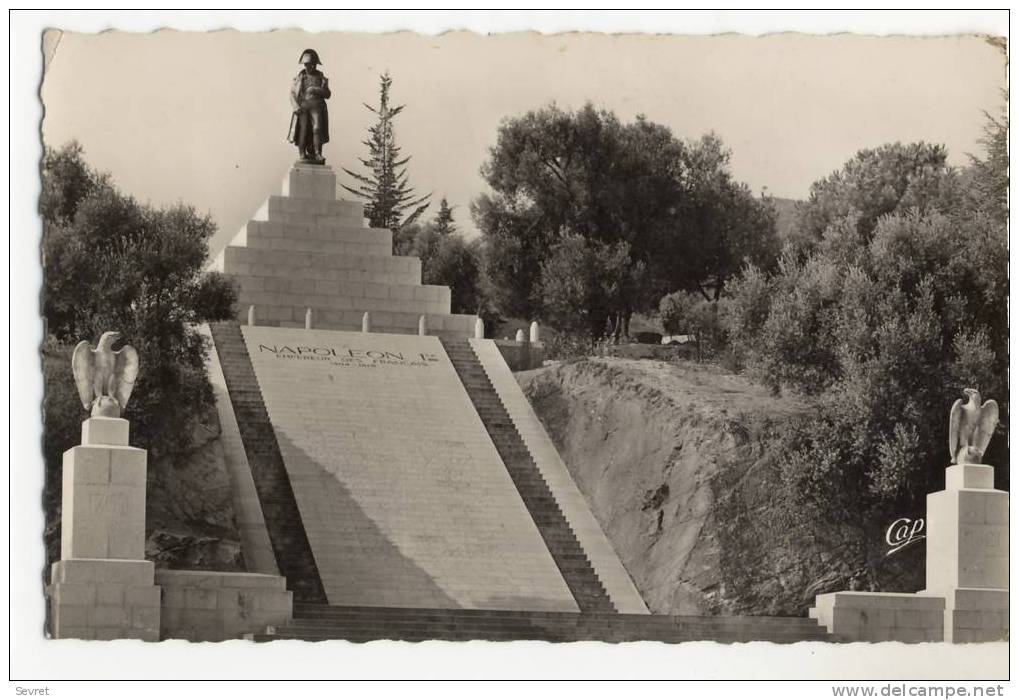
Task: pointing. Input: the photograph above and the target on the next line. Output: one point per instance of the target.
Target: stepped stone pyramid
(401, 483)
(306, 249)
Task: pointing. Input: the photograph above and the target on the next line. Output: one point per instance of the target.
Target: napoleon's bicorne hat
(309, 56)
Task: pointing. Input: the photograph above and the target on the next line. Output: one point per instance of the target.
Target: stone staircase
(559, 538)
(362, 624)
(282, 518)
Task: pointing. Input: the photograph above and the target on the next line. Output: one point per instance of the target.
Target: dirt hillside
(655, 446)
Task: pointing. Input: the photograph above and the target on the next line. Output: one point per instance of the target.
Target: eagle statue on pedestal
(970, 427)
(104, 377)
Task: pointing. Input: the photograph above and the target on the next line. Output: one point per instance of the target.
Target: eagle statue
(970, 427)
(104, 377)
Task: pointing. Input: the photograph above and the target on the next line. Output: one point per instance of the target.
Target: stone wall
(521, 355)
(213, 606)
(881, 617)
(104, 599)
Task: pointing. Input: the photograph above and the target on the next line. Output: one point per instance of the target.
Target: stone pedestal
(103, 588)
(967, 553)
(308, 181)
(966, 599)
(860, 616)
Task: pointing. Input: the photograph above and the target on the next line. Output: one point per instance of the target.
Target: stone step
(282, 518)
(316, 265)
(560, 540)
(319, 611)
(313, 290)
(312, 245)
(324, 228)
(350, 320)
(517, 626)
(325, 304)
(287, 206)
(322, 622)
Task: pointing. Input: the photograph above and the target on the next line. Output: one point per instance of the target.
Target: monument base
(976, 615)
(856, 616)
(104, 599)
(967, 554)
(966, 599)
(213, 606)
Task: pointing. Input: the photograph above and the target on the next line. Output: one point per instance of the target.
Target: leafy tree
(899, 302)
(674, 311)
(587, 286)
(456, 263)
(721, 224)
(390, 201)
(446, 259)
(690, 313)
(70, 179)
(514, 247)
(673, 208)
(110, 263)
(875, 182)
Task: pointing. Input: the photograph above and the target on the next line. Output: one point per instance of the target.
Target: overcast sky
(202, 117)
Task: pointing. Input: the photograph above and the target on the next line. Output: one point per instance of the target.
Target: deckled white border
(34, 657)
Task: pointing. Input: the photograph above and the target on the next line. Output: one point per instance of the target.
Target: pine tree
(385, 189)
(444, 225)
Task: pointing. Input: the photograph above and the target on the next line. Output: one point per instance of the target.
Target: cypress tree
(385, 188)
(444, 219)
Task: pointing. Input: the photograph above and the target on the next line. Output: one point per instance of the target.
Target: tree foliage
(588, 285)
(666, 213)
(110, 263)
(892, 178)
(988, 187)
(390, 201)
(898, 302)
(446, 259)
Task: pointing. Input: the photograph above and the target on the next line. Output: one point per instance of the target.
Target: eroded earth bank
(675, 459)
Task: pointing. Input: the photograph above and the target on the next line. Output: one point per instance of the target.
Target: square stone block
(963, 549)
(73, 594)
(104, 431)
(879, 617)
(142, 596)
(969, 476)
(103, 520)
(110, 594)
(110, 616)
(104, 599)
(87, 464)
(978, 599)
(310, 182)
(84, 571)
(128, 466)
(71, 615)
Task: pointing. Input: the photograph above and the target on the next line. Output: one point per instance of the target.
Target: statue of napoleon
(309, 126)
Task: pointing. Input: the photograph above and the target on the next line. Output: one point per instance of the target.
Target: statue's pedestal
(103, 588)
(967, 553)
(310, 181)
(966, 599)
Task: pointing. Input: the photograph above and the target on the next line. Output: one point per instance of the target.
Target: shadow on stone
(366, 569)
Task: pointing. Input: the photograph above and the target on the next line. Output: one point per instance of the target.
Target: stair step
(559, 538)
(362, 624)
(283, 520)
